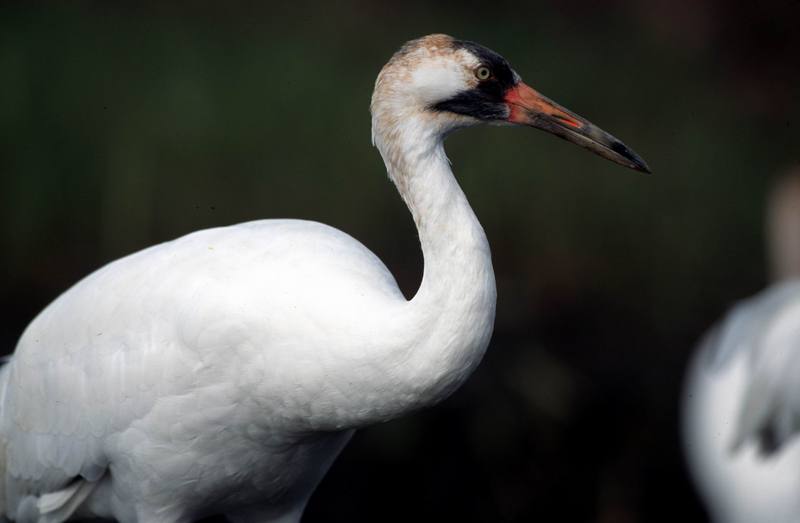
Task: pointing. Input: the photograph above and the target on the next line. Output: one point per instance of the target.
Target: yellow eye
(483, 73)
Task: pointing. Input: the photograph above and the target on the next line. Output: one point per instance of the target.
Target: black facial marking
(502, 74)
(474, 103)
(487, 100)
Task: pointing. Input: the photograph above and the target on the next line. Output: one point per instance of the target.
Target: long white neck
(450, 319)
(409, 354)
(457, 260)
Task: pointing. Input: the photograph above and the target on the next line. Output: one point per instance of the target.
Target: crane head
(456, 83)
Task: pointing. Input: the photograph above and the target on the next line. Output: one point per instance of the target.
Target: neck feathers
(452, 315)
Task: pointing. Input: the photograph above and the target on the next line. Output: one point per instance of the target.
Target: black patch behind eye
(487, 100)
(502, 75)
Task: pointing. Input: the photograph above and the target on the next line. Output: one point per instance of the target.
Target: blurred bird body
(222, 372)
(742, 396)
(742, 404)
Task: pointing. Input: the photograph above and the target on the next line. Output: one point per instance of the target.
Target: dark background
(122, 126)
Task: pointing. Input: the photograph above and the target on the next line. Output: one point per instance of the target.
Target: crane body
(735, 391)
(741, 402)
(222, 372)
(161, 398)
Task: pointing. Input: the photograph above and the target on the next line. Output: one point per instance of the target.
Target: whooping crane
(742, 394)
(222, 372)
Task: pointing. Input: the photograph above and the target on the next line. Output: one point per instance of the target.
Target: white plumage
(742, 397)
(222, 372)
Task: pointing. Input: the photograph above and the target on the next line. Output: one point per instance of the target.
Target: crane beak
(529, 107)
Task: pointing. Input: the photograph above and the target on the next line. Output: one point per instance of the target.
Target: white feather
(222, 372)
(744, 382)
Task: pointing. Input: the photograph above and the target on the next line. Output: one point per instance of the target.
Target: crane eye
(483, 73)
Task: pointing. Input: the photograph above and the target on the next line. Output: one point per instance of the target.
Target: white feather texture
(442, 77)
(222, 372)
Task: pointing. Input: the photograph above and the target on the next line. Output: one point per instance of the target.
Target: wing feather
(767, 328)
(127, 337)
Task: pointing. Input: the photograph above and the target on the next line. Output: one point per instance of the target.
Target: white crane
(742, 395)
(222, 372)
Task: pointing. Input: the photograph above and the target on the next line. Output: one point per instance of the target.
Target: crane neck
(783, 227)
(451, 316)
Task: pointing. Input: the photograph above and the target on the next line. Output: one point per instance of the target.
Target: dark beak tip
(636, 162)
(641, 167)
